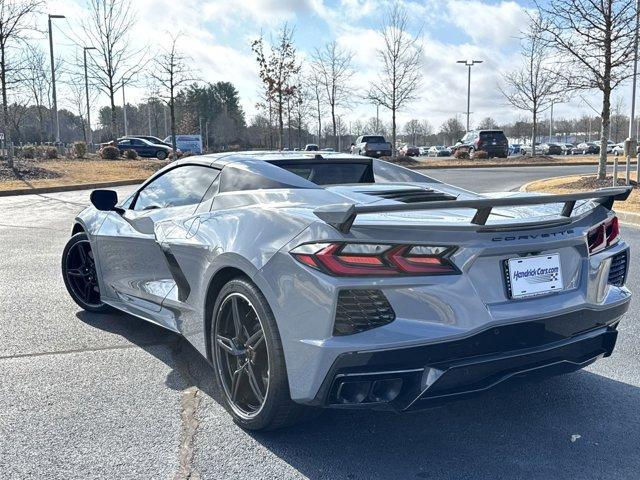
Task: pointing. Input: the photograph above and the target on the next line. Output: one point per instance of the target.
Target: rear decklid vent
(412, 195)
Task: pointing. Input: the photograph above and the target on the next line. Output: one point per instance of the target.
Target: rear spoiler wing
(341, 216)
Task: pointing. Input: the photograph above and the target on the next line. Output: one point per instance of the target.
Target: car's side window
(183, 185)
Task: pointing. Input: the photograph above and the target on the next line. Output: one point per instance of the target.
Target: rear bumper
(417, 377)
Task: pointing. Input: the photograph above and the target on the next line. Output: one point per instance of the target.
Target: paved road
(89, 396)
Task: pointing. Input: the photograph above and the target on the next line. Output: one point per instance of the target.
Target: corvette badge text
(532, 236)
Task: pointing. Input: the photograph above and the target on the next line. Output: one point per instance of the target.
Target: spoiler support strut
(342, 216)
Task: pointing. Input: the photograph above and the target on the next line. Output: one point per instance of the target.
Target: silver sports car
(314, 279)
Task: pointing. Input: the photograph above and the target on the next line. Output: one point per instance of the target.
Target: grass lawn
(28, 174)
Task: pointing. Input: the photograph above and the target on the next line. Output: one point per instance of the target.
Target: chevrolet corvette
(315, 279)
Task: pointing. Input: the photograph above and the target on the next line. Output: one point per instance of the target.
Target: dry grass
(577, 183)
(29, 174)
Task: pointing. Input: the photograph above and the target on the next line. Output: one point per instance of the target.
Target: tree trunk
(114, 124)
(393, 132)
(606, 107)
(534, 133)
(280, 122)
(5, 110)
(172, 115)
(335, 130)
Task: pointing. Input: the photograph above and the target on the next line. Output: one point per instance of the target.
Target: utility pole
(149, 114)
(469, 64)
(86, 91)
(377, 118)
(124, 111)
(53, 80)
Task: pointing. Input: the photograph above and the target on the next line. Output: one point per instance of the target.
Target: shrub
(28, 151)
(461, 154)
(479, 154)
(51, 153)
(109, 153)
(131, 154)
(79, 149)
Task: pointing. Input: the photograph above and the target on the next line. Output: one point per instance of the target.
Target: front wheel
(161, 155)
(80, 276)
(249, 361)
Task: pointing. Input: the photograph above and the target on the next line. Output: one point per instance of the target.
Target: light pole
(632, 141)
(86, 91)
(53, 79)
(469, 64)
(551, 122)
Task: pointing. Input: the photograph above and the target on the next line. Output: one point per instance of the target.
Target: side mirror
(105, 200)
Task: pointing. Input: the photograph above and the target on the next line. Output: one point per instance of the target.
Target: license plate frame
(532, 276)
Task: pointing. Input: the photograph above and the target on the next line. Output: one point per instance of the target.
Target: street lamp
(53, 79)
(632, 141)
(469, 64)
(86, 89)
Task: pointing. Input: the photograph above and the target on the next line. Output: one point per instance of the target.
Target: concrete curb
(509, 165)
(630, 218)
(69, 188)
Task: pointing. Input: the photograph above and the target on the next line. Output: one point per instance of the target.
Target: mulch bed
(25, 170)
(592, 182)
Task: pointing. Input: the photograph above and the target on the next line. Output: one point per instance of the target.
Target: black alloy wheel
(242, 355)
(80, 274)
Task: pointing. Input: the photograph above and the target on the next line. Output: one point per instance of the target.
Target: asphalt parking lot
(109, 396)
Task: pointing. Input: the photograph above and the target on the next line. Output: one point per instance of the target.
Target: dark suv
(494, 142)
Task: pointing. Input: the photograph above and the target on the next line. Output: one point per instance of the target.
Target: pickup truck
(374, 146)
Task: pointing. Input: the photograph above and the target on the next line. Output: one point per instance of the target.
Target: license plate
(378, 152)
(537, 275)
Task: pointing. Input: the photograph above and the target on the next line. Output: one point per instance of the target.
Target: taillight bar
(603, 235)
(356, 260)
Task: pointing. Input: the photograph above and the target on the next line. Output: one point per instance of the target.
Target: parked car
(410, 151)
(567, 148)
(618, 149)
(374, 146)
(494, 142)
(311, 147)
(439, 151)
(610, 145)
(148, 138)
(311, 284)
(515, 149)
(424, 150)
(586, 147)
(528, 149)
(144, 148)
(550, 149)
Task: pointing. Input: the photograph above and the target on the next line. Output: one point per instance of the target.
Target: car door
(143, 148)
(124, 145)
(134, 269)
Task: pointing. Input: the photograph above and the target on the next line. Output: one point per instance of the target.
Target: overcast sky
(218, 35)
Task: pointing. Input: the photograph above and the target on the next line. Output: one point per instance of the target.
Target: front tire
(80, 276)
(248, 360)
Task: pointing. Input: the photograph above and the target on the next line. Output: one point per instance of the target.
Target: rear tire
(161, 154)
(230, 350)
(80, 276)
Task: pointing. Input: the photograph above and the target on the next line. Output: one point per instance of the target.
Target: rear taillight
(603, 235)
(364, 259)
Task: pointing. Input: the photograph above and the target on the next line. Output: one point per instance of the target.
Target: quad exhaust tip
(367, 391)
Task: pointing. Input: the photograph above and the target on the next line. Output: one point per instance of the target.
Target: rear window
(327, 173)
(496, 135)
(373, 139)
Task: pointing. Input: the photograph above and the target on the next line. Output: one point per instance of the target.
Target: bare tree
(171, 71)
(301, 109)
(107, 29)
(487, 123)
(15, 24)
(317, 101)
(536, 84)
(278, 71)
(36, 76)
(332, 66)
(596, 41)
(413, 129)
(451, 130)
(401, 58)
